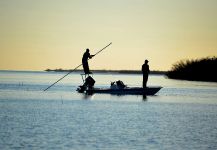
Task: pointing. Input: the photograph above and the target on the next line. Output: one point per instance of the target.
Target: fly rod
(76, 68)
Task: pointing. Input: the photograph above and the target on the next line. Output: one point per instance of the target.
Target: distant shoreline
(108, 71)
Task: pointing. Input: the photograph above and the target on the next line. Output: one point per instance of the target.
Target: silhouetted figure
(145, 71)
(85, 57)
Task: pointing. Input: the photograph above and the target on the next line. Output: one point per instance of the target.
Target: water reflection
(87, 96)
(144, 97)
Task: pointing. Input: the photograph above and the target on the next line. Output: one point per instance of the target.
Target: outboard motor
(89, 83)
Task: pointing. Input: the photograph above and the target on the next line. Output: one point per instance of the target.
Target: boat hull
(125, 91)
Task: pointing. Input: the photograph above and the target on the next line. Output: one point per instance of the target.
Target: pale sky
(41, 34)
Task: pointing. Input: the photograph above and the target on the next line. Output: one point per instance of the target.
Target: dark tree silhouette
(204, 69)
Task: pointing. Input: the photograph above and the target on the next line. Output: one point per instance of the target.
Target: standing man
(85, 57)
(145, 71)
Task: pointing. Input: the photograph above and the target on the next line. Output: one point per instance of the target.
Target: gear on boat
(117, 85)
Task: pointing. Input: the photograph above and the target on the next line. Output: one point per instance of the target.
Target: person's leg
(86, 68)
(143, 82)
(145, 79)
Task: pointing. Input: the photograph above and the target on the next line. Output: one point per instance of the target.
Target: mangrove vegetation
(204, 69)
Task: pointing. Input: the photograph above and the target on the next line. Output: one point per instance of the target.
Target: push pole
(76, 67)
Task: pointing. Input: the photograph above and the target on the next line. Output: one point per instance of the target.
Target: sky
(40, 34)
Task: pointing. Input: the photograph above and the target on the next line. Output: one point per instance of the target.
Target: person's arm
(91, 56)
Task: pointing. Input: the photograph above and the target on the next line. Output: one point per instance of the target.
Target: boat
(117, 87)
(124, 91)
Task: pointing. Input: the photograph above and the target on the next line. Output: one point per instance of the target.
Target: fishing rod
(76, 67)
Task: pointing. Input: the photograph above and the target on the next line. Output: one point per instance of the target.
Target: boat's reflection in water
(86, 96)
(144, 97)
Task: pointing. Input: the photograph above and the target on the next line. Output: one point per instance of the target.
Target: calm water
(183, 115)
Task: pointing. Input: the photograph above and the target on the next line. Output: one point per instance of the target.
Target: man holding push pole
(85, 58)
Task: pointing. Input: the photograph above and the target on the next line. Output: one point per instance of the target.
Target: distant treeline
(108, 71)
(196, 70)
